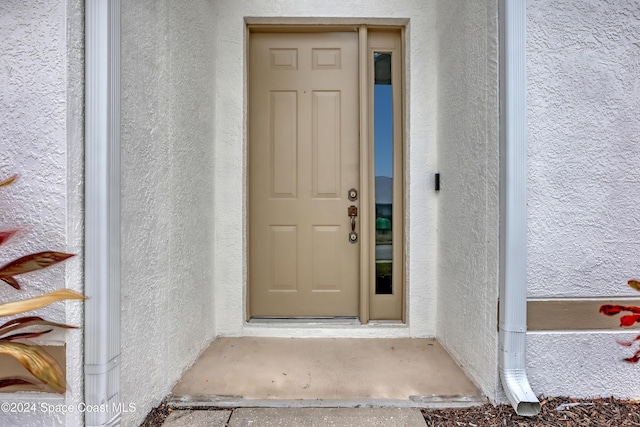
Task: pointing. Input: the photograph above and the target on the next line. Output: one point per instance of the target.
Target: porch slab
(363, 371)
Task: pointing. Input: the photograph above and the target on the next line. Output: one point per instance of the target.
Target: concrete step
(298, 417)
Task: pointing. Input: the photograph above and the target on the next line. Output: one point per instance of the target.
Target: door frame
(367, 210)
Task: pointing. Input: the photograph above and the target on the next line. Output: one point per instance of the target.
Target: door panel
(283, 151)
(324, 252)
(326, 144)
(284, 250)
(303, 159)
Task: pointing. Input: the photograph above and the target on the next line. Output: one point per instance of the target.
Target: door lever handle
(353, 213)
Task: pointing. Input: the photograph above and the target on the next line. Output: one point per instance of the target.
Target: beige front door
(303, 160)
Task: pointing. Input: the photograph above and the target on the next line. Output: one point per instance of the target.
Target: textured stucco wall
(167, 197)
(41, 135)
(583, 61)
(468, 203)
(584, 364)
(583, 71)
(230, 158)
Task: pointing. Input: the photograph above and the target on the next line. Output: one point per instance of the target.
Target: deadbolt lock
(353, 195)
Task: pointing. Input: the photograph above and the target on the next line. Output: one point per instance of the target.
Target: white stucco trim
(513, 208)
(102, 210)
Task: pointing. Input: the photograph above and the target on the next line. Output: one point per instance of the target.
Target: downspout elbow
(513, 373)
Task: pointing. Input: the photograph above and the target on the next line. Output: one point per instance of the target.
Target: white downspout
(102, 213)
(513, 208)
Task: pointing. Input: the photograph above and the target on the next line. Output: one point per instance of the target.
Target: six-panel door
(303, 159)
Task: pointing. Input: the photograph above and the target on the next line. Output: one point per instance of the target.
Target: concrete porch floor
(251, 371)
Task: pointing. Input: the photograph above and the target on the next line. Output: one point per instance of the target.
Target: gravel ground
(556, 412)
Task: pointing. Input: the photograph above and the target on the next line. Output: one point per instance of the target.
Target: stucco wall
(584, 364)
(468, 160)
(230, 157)
(41, 134)
(167, 198)
(583, 63)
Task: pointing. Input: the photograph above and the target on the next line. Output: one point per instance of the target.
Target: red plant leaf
(628, 343)
(8, 181)
(20, 320)
(634, 284)
(6, 235)
(629, 320)
(11, 282)
(32, 262)
(8, 382)
(633, 359)
(28, 321)
(611, 310)
(25, 335)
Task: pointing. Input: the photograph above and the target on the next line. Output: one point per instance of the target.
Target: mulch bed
(156, 417)
(159, 414)
(555, 412)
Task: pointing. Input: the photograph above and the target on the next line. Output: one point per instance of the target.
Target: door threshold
(345, 327)
(350, 321)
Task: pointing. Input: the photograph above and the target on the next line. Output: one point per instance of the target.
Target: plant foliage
(626, 320)
(15, 335)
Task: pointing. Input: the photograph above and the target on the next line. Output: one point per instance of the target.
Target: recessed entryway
(250, 369)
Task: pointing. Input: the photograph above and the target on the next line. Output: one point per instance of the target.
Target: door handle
(353, 213)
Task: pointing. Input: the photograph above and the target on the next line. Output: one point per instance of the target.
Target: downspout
(513, 209)
(102, 213)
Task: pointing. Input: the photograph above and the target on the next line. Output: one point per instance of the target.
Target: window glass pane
(383, 155)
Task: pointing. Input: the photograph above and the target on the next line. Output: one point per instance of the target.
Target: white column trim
(102, 211)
